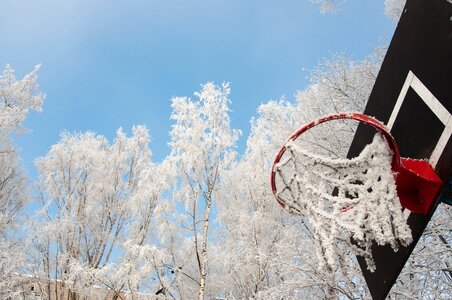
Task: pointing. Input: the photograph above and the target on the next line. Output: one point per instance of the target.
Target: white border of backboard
(436, 107)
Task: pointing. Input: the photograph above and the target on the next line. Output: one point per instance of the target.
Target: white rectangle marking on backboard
(435, 106)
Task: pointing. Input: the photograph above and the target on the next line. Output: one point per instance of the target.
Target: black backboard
(412, 96)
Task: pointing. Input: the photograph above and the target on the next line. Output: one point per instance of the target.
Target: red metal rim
(353, 116)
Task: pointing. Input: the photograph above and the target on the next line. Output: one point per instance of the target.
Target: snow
(344, 200)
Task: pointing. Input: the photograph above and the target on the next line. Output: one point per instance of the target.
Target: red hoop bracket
(417, 183)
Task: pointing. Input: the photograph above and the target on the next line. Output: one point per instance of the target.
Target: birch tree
(17, 98)
(202, 148)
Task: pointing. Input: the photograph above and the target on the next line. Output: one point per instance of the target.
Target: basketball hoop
(352, 202)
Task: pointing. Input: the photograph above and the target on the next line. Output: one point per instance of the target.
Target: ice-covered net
(349, 203)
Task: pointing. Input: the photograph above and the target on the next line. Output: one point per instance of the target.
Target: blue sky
(116, 63)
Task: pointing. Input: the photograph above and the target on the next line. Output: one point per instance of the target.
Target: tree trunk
(203, 271)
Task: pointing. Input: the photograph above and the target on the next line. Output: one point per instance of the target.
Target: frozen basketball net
(350, 203)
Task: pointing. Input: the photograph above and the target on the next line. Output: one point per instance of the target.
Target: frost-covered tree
(259, 235)
(339, 84)
(428, 273)
(17, 98)
(202, 148)
(98, 201)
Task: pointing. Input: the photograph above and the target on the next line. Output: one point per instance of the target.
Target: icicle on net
(348, 202)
